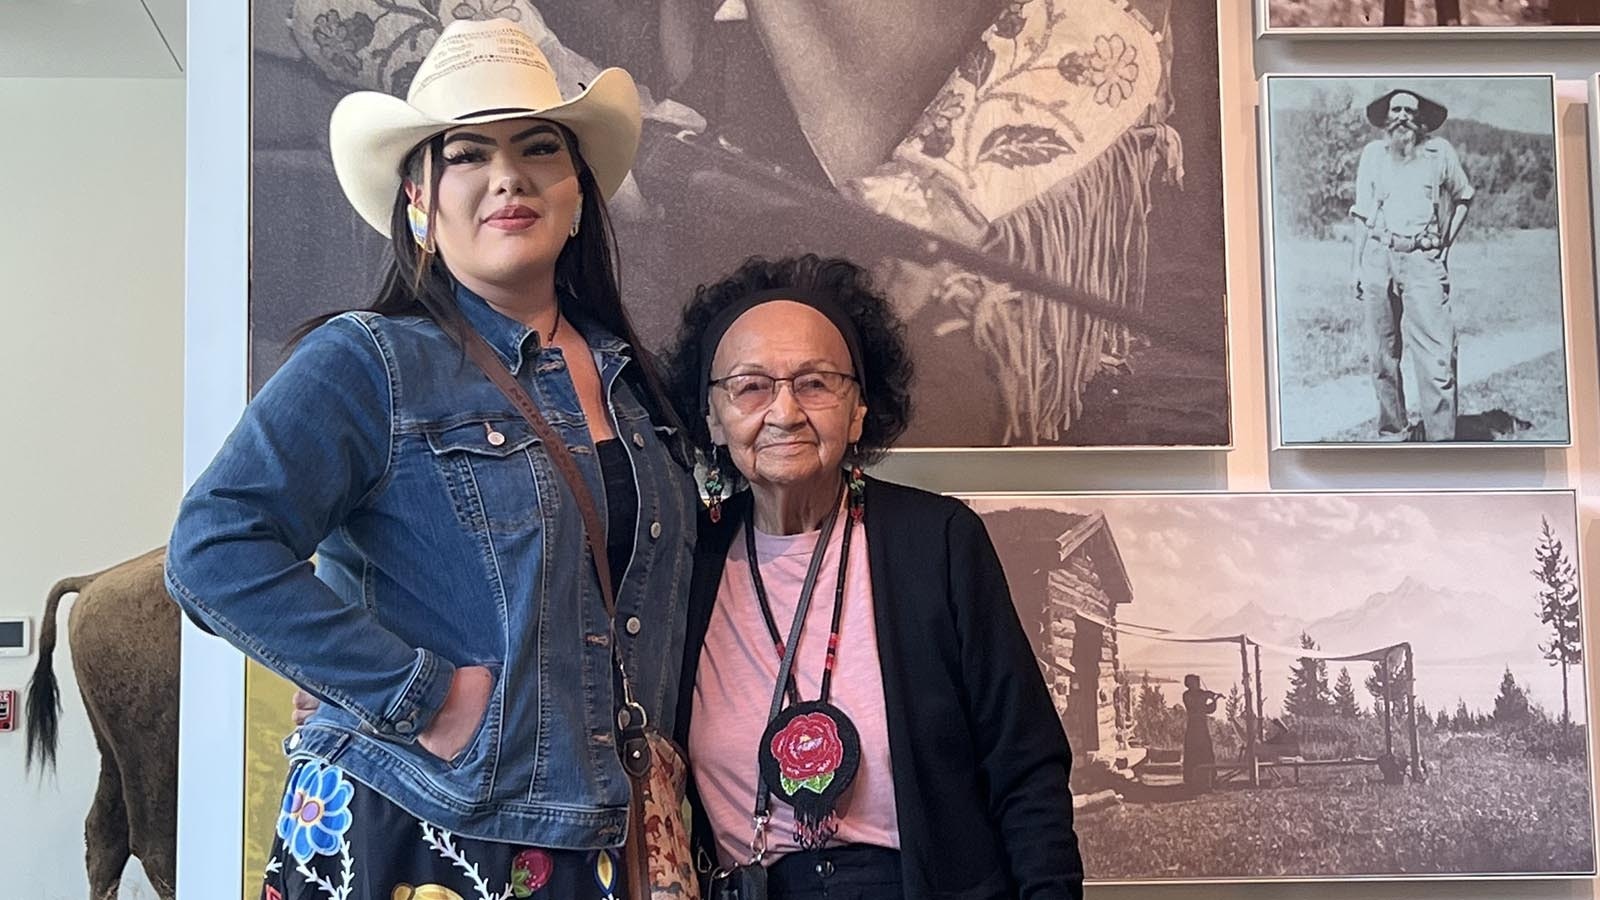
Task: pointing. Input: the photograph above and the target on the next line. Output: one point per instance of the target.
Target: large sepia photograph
(1036, 183)
(1312, 685)
(1414, 260)
(1413, 18)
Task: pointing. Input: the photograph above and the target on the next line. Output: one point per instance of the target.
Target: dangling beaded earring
(857, 482)
(714, 488)
(577, 220)
(419, 226)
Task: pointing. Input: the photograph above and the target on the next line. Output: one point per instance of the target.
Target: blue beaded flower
(316, 811)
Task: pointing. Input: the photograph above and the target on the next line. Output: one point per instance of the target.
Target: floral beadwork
(316, 811)
(809, 752)
(530, 872)
(1111, 68)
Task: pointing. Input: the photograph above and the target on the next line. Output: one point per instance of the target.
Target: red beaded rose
(808, 751)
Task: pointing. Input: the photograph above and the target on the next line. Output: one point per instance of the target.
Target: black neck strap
(788, 650)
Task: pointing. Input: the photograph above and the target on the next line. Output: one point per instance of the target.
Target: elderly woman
(441, 452)
(862, 709)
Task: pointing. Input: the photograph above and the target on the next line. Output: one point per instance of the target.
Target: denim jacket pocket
(496, 473)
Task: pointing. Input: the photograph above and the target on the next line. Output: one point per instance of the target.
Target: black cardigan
(980, 760)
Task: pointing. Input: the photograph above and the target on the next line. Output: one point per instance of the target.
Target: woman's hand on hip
(463, 710)
(304, 705)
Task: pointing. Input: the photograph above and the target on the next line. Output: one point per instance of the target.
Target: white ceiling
(92, 38)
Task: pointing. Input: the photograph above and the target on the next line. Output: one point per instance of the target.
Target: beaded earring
(714, 486)
(419, 226)
(857, 482)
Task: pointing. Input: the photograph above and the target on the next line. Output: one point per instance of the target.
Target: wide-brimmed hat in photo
(477, 72)
(1430, 114)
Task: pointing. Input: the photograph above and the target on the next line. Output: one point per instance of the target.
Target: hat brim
(1430, 114)
(371, 133)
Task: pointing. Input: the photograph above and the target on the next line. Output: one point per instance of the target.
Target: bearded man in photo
(1412, 197)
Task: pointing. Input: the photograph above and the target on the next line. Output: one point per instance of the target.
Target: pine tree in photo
(1443, 721)
(1558, 608)
(1374, 685)
(1463, 720)
(1344, 696)
(1308, 695)
(1234, 704)
(1150, 720)
(1511, 704)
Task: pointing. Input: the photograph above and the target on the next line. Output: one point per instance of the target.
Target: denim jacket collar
(510, 338)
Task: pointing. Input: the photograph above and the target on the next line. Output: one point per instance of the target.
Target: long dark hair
(417, 283)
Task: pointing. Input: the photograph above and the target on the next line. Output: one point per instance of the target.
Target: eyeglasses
(754, 392)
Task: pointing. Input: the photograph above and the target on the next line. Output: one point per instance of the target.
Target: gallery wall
(91, 367)
(1250, 466)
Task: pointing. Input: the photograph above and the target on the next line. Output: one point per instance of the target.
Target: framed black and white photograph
(1413, 261)
(1312, 685)
(1366, 19)
(1036, 183)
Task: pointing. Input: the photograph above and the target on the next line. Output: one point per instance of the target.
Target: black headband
(712, 336)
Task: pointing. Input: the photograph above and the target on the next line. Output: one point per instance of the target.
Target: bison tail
(44, 694)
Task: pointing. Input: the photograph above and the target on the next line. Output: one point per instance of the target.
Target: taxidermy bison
(124, 633)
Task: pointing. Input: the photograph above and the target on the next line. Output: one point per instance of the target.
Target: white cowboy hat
(476, 72)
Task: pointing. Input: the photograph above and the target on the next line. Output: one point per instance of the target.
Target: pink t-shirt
(739, 669)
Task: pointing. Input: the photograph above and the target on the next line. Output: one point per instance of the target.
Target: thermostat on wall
(16, 636)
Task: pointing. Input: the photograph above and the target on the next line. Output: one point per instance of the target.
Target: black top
(622, 505)
(980, 760)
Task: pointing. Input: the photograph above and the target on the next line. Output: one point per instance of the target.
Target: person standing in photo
(1199, 754)
(1412, 197)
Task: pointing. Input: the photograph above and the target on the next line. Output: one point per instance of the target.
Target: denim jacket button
(496, 439)
(633, 625)
(655, 530)
(638, 440)
(404, 726)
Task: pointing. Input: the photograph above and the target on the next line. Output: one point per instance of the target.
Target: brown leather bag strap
(556, 447)
(636, 759)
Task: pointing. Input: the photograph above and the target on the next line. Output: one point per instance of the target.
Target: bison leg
(105, 833)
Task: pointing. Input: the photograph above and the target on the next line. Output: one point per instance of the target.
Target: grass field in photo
(1505, 295)
(1490, 805)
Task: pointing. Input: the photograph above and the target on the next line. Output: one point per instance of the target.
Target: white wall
(91, 365)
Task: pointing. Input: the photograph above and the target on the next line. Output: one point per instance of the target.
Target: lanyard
(788, 650)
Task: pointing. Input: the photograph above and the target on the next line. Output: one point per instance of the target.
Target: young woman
(454, 629)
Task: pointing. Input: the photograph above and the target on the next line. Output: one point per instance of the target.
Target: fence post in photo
(1252, 718)
(1261, 711)
(1411, 711)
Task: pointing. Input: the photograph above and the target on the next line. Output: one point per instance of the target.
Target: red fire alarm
(8, 710)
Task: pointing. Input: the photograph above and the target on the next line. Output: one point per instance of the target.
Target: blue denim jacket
(440, 544)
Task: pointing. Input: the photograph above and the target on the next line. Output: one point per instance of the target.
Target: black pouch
(746, 882)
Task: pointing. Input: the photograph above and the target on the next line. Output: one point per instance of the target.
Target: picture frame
(1342, 358)
(969, 209)
(1416, 26)
(1428, 597)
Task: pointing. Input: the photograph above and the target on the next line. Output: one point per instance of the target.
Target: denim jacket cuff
(424, 694)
